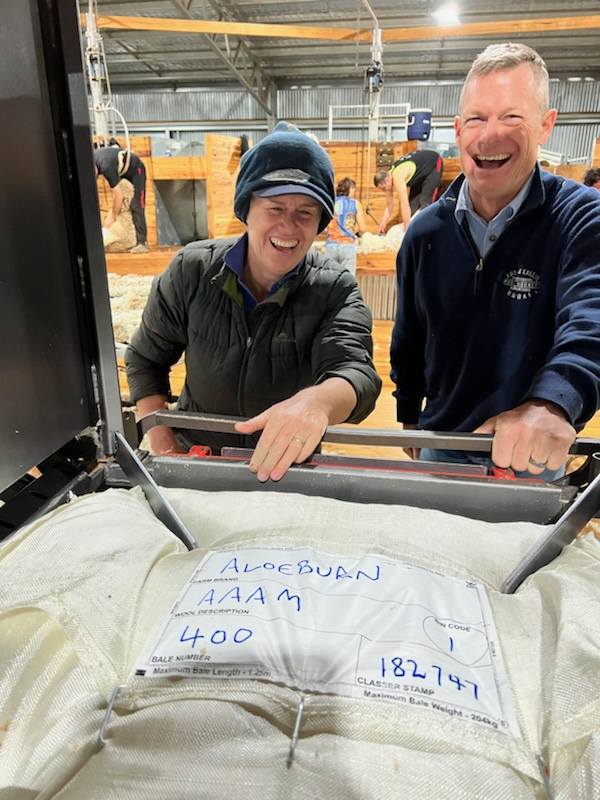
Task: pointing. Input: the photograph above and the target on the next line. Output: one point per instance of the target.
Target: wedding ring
(300, 442)
(538, 464)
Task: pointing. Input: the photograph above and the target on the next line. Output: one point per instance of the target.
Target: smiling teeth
(283, 243)
(499, 157)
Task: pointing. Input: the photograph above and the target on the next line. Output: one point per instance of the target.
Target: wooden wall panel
(382, 263)
(451, 171)
(573, 171)
(596, 156)
(222, 155)
(352, 160)
(179, 168)
(157, 260)
(359, 161)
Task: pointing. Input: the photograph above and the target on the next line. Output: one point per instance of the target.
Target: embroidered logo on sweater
(522, 283)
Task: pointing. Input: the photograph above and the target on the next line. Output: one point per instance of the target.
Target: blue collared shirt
(235, 259)
(486, 233)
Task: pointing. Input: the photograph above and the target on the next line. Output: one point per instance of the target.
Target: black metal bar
(333, 434)
(404, 465)
(551, 544)
(485, 498)
(473, 442)
(139, 476)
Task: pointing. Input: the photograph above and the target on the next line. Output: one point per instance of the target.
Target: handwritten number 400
(216, 637)
(400, 668)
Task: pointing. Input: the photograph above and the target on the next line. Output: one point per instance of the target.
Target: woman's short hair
(344, 186)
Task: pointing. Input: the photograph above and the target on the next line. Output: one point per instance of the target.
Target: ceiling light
(447, 14)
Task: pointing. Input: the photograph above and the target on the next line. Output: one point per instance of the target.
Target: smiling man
(498, 320)
(271, 330)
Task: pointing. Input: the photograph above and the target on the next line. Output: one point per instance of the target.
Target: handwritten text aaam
(258, 594)
(302, 567)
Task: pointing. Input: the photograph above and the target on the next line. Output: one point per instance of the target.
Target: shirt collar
(235, 259)
(464, 204)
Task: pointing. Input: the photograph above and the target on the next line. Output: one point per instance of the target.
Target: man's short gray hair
(508, 56)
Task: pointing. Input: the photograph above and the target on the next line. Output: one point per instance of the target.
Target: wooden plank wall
(222, 155)
(573, 171)
(179, 168)
(353, 160)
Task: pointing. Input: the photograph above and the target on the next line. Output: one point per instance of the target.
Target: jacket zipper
(478, 272)
(479, 264)
(243, 376)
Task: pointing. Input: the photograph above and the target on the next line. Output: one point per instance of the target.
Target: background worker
(115, 163)
(271, 329)
(421, 173)
(348, 221)
(497, 328)
(592, 178)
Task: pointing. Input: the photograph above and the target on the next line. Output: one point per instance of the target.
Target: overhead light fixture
(447, 14)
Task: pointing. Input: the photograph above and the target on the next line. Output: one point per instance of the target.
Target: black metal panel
(48, 341)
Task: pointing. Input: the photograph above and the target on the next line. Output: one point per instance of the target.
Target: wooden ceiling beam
(544, 25)
(230, 28)
(163, 25)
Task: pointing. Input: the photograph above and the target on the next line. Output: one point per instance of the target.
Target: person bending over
(115, 163)
(416, 179)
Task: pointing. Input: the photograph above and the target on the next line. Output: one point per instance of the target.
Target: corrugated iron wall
(379, 293)
(187, 115)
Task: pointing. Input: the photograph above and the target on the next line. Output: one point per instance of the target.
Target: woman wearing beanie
(271, 330)
(348, 220)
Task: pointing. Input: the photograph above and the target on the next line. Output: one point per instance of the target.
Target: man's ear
(547, 125)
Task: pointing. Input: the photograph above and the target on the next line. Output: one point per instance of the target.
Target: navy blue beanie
(286, 161)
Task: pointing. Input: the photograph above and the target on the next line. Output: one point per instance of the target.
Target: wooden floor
(384, 415)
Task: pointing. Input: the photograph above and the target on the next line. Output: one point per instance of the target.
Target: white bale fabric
(84, 591)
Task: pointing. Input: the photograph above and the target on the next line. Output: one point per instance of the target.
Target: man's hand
(411, 452)
(532, 437)
(292, 429)
(110, 220)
